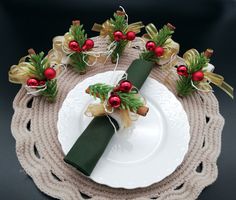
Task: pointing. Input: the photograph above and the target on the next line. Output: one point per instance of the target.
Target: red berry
(125, 86)
(159, 51)
(150, 46)
(32, 82)
(89, 44)
(130, 35)
(74, 45)
(50, 73)
(84, 48)
(115, 101)
(182, 70)
(42, 83)
(197, 76)
(118, 35)
(124, 37)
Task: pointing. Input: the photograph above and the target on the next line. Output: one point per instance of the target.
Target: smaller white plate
(141, 155)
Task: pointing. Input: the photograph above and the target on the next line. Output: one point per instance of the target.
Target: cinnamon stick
(76, 22)
(31, 51)
(170, 26)
(142, 110)
(120, 13)
(208, 53)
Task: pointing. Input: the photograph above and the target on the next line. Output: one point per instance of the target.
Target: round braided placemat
(34, 127)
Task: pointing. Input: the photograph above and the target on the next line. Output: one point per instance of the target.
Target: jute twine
(34, 127)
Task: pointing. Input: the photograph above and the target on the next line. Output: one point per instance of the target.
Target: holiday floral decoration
(159, 47)
(76, 46)
(118, 30)
(123, 98)
(38, 74)
(196, 74)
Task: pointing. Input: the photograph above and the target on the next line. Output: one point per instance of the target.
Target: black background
(200, 24)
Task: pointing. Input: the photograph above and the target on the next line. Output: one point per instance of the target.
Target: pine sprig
(149, 56)
(120, 47)
(78, 32)
(119, 23)
(129, 100)
(40, 64)
(78, 59)
(164, 34)
(101, 90)
(198, 63)
(160, 39)
(184, 85)
(51, 91)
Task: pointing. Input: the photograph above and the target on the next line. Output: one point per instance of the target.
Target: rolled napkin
(92, 143)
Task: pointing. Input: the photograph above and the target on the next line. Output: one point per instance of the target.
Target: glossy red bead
(130, 35)
(182, 70)
(89, 44)
(42, 83)
(125, 86)
(32, 82)
(50, 73)
(198, 76)
(118, 35)
(74, 45)
(159, 51)
(150, 46)
(114, 101)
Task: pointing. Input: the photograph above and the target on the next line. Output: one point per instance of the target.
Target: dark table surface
(200, 24)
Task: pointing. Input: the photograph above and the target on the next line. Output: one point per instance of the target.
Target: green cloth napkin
(90, 146)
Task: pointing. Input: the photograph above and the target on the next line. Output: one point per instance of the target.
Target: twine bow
(171, 47)
(23, 71)
(107, 28)
(123, 114)
(209, 77)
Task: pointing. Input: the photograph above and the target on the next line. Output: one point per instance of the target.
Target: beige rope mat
(34, 127)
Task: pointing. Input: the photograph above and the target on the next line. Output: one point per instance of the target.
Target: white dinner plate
(141, 155)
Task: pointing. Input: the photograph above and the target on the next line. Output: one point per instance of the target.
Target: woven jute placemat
(34, 127)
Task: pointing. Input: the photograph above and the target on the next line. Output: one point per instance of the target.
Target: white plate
(139, 156)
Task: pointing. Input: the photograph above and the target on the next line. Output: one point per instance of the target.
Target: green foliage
(119, 23)
(78, 58)
(78, 63)
(100, 90)
(149, 56)
(198, 63)
(184, 86)
(163, 34)
(129, 100)
(160, 39)
(120, 47)
(78, 33)
(51, 92)
(41, 63)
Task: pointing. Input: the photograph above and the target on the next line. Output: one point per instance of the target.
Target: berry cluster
(158, 50)
(114, 100)
(88, 44)
(118, 35)
(49, 74)
(182, 70)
